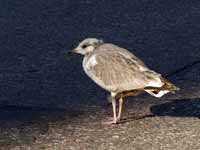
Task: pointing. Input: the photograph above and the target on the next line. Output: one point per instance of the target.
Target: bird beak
(71, 52)
(74, 51)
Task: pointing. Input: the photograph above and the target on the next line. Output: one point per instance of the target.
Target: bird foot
(118, 119)
(109, 121)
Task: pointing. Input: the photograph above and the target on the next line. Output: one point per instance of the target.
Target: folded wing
(117, 71)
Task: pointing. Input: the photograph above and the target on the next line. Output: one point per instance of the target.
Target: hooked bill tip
(69, 52)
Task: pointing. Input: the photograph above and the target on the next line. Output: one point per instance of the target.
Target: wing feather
(116, 71)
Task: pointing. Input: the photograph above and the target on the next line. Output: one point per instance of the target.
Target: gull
(120, 72)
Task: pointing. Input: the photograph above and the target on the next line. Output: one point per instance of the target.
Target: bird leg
(114, 120)
(131, 93)
(114, 110)
(125, 94)
(120, 107)
(120, 96)
(121, 100)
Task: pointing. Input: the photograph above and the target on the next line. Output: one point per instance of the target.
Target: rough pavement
(47, 102)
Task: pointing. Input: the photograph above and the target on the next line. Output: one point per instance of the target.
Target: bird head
(87, 46)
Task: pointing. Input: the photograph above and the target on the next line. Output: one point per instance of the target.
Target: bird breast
(91, 62)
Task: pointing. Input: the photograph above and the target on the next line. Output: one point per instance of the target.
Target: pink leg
(120, 108)
(114, 121)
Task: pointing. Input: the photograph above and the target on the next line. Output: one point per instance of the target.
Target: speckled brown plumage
(120, 72)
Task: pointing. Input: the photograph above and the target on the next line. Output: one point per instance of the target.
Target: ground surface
(46, 100)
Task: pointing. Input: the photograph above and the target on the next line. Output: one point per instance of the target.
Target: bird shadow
(175, 108)
(130, 119)
(178, 108)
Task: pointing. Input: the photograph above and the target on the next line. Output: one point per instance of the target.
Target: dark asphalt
(40, 83)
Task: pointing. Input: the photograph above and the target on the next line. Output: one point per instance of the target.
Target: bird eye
(84, 46)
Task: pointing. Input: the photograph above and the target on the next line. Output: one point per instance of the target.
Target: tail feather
(160, 91)
(169, 86)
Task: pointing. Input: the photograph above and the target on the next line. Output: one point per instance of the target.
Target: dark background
(34, 36)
